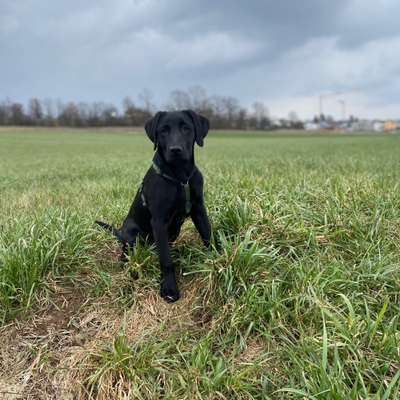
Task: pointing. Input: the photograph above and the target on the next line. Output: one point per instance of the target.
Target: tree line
(224, 112)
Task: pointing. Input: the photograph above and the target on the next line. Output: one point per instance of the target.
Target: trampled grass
(300, 302)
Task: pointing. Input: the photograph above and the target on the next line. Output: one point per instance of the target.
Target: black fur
(160, 219)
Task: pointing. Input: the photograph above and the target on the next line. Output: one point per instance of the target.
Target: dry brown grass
(49, 355)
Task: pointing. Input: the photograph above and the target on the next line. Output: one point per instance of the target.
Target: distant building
(378, 126)
(311, 126)
(375, 125)
(327, 124)
(343, 125)
(363, 125)
(389, 126)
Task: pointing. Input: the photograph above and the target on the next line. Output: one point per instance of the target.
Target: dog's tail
(114, 231)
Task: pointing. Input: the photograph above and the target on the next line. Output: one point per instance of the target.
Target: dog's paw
(123, 259)
(133, 274)
(169, 289)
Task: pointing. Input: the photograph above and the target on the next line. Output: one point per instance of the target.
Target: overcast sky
(284, 53)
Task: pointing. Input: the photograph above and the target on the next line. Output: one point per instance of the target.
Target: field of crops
(302, 301)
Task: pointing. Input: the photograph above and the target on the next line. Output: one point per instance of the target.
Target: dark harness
(184, 185)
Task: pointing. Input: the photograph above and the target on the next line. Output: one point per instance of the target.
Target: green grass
(301, 302)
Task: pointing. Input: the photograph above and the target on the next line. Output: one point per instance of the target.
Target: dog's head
(174, 133)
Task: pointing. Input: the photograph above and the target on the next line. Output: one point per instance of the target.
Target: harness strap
(188, 202)
(185, 185)
(159, 172)
(142, 195)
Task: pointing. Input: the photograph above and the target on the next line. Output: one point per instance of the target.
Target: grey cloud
(102, 50)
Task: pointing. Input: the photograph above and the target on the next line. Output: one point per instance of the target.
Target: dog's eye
(164, 130)
(185, 128)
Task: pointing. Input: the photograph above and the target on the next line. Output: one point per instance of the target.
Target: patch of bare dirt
(43, 357)
(28, 347)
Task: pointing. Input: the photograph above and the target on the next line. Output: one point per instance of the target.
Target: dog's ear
(201, 126)
(151, 127)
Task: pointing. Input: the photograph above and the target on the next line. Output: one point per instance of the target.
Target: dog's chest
(182, 201)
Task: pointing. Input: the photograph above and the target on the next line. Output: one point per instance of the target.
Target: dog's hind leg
(129, 233)
(126, 236)
(127, 248)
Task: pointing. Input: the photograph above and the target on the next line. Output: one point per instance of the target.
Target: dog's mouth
(176, 158)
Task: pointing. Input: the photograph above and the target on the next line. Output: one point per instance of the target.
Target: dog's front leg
(201, 222)
(169, 289)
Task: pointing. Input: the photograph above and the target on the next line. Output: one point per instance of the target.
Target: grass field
(301, 302)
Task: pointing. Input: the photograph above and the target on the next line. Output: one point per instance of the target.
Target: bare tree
(70, 115)
(241, 120)
(294, 121)
(109, 115)
(231, 109)
(35, 111)
(133, 115)
(179, 100)
(146, 97)
(4, 113)
(261, 119)
(17, 115)
(49, 113)
(198, 98)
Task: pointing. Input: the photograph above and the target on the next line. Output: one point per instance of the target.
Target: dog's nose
(176, 149)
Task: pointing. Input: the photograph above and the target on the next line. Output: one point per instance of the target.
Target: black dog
(172, 190)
